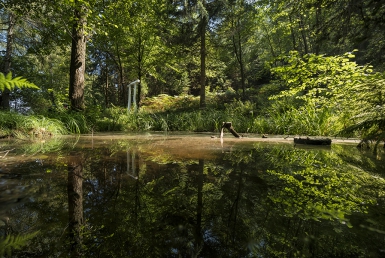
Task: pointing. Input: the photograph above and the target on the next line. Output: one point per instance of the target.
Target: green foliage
(326, 95)
(324, 186)
(7, 82)
(306, 120)
(164, 102)
(27, 127)
(315, 79)
(320, 185)
(367, 107)
(14, 242)
(75, 122)
(113, 119)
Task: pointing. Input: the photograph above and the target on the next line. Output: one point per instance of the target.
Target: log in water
(313, 141)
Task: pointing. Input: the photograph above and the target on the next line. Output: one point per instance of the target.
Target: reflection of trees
(75, 202)
(306, 188)
(198, 244)
(266, 202)
(42, 193)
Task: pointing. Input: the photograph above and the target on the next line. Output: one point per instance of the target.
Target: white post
(134, 99)
(129, 95)
(129, 98)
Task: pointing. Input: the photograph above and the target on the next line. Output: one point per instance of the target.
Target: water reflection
(75, 202)
(191, 197)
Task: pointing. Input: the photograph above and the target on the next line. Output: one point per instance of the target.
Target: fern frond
(14, 242)
(9, 76)
(6, 82)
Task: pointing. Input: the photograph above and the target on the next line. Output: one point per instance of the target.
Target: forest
(303, 67)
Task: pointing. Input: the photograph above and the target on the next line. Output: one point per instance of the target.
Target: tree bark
(238, 54)
(140, 68)
(303, 35)
(123, 88)
(78, 58)
(106, 85)
(204, 20)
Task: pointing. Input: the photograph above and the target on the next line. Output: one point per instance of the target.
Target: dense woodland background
(311, 67)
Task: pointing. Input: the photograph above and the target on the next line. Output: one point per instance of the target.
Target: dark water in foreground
(160, 195)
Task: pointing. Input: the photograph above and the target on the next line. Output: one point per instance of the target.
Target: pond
(176, 195)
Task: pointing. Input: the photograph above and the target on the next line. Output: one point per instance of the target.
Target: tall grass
(20, 126)
(182, 113)
(307, 120)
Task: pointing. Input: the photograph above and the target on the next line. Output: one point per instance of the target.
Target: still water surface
(157, 195)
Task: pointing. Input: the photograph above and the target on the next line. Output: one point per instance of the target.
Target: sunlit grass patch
(21, 126)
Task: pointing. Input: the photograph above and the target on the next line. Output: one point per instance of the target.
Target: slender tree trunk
(318, 25)
(124, 99)
(5, 95)
(237, 44)
(293, 34)
(141, 48)
(242, 67)
(78, 58)
(270, 42)
(106, 89)
(204, 21)
(303, 35)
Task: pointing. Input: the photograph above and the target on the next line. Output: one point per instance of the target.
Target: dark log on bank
(229, 127)
(313, 141)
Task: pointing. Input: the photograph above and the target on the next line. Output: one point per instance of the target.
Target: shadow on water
(156, 195)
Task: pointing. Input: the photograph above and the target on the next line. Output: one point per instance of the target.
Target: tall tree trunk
(204, 21)
(78, 57)
(75, 203)
(318, 26)
(293, 34)
(237, 44)
(106, 89)
(303, 34)
(123, 100)
(141, 48)
(5, 95)
(270, 42)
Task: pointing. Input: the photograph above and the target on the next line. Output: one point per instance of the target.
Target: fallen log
(313, 141)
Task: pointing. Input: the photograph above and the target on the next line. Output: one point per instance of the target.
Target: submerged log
(228, 126)
(313, 141)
